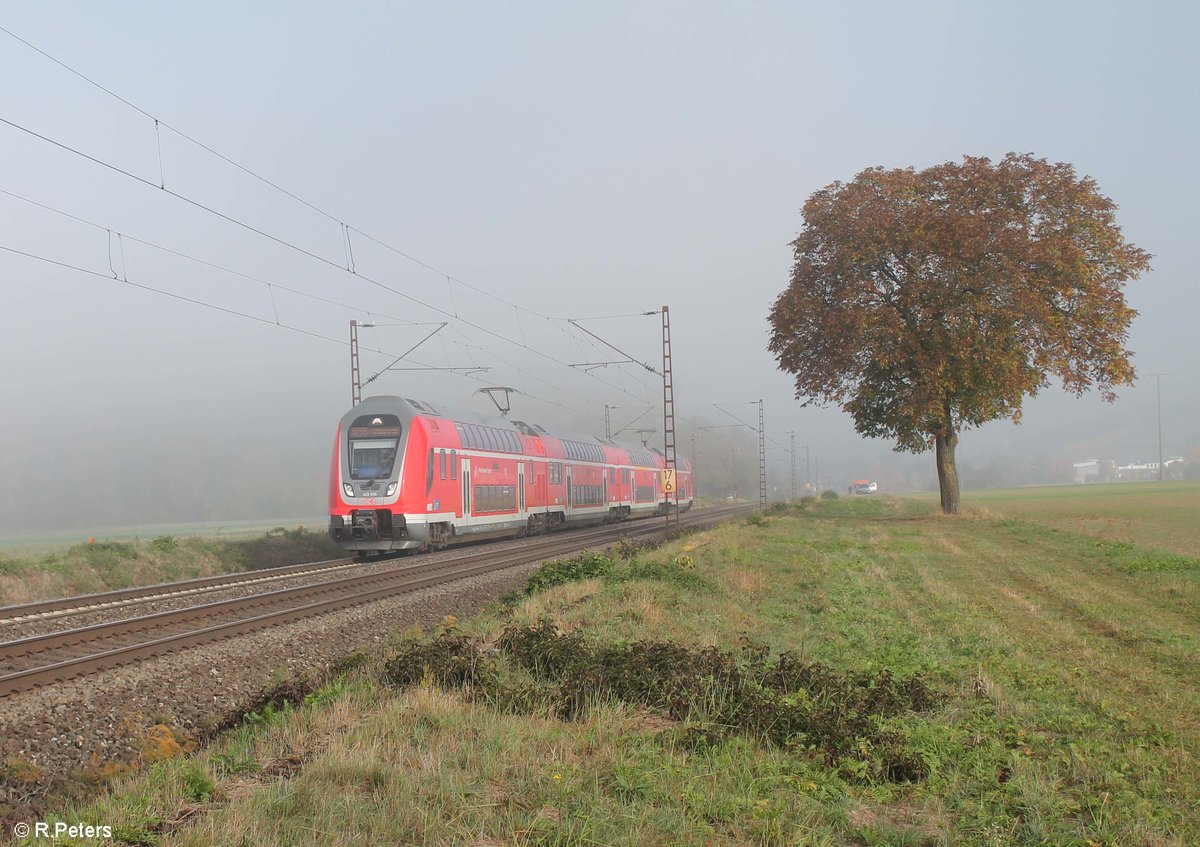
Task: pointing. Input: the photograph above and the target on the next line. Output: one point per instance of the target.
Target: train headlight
(348, 488)
(391, 489)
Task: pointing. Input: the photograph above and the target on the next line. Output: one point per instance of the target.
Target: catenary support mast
(669, 416)
(762, 460)
(792, 436)
(355, 381)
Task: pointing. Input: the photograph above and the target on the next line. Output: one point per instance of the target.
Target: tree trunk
(947, 470)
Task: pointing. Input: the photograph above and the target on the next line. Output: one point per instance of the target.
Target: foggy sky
(577, 160)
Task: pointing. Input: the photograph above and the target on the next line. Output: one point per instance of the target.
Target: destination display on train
(374, 432)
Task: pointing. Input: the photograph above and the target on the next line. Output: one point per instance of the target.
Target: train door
(521, 488)
(570, 499)
(466, 492)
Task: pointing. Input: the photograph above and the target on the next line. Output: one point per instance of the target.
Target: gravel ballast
(74, 727)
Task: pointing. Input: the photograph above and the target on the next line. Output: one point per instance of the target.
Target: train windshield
(372, 459)
(374, 442)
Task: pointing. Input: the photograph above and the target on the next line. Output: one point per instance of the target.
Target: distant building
(1148, 471)
(1095, 470)
(1088, 471)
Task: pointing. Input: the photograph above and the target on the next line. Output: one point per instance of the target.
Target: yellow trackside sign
(668, 480)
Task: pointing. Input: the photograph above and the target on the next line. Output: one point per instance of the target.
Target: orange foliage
(927, 302)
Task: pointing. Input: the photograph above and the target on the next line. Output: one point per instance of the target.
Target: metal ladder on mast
(355, 384)
(669, 416)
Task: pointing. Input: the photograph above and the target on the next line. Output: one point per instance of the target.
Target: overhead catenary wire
(285, 243)
(346, 227)
(743, 423)
(124, 280)
(402, 356)
(122, 277)
(205, 262)
(269, 285)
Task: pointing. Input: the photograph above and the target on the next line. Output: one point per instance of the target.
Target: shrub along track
(46, 659)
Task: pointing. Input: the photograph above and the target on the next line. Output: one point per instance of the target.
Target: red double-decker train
(406, 476)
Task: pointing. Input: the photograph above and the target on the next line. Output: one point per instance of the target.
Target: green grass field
(41, 543)
(1157, 514)
(1067, 708)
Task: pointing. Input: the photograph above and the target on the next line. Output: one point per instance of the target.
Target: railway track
(44, 611)
(68, 606)
(41, 660)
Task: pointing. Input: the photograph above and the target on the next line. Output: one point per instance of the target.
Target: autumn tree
(928, 302)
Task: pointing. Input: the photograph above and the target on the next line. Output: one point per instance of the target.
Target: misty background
(554, 161)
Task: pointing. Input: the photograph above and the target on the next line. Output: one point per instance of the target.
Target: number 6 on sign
(668, 480)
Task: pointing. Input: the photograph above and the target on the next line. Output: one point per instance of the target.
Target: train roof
(407, 408)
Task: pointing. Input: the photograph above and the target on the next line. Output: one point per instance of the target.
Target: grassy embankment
(109, 565)
(1066, 711)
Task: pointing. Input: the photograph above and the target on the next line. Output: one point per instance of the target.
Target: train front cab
(372, 465)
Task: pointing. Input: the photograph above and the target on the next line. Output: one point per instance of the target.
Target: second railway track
(47, 658)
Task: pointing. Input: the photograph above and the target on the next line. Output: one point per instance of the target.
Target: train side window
(442, 464)
(429, 473)
(454, 464)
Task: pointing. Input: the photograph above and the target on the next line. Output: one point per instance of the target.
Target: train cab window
(454, 464)
(442, 464)
(373, 441)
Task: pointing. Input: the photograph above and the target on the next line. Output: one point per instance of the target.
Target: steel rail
(161, 590)
(395, 581)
